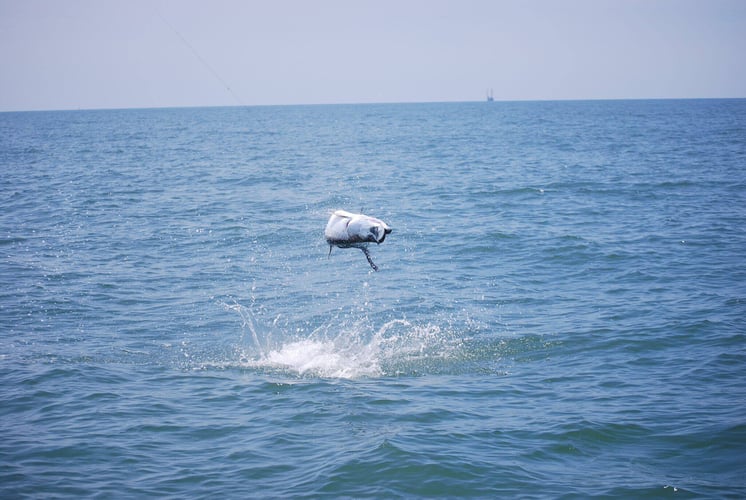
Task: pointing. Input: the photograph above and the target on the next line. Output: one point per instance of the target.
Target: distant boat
(490, 97)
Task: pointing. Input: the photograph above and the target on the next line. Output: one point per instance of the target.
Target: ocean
(560, 310)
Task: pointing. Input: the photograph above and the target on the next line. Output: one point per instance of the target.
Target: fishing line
(200, 58)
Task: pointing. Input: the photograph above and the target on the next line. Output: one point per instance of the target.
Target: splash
(347, 349)
(324, 359)
(248, 321)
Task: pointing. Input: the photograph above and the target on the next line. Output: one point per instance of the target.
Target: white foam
(324, 359)
(340, 349)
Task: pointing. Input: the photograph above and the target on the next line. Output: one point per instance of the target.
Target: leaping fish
(348, 230)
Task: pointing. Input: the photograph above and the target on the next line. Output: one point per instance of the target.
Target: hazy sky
(69, 54)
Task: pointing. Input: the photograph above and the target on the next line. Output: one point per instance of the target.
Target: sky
(90, 54)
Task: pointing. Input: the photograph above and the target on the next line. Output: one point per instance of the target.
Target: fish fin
(370, 261)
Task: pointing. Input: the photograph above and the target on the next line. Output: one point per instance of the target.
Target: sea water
(560, 309)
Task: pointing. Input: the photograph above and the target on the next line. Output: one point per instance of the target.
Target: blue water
(559, 312)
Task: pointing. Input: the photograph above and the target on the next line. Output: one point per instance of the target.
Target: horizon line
(372, 103)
